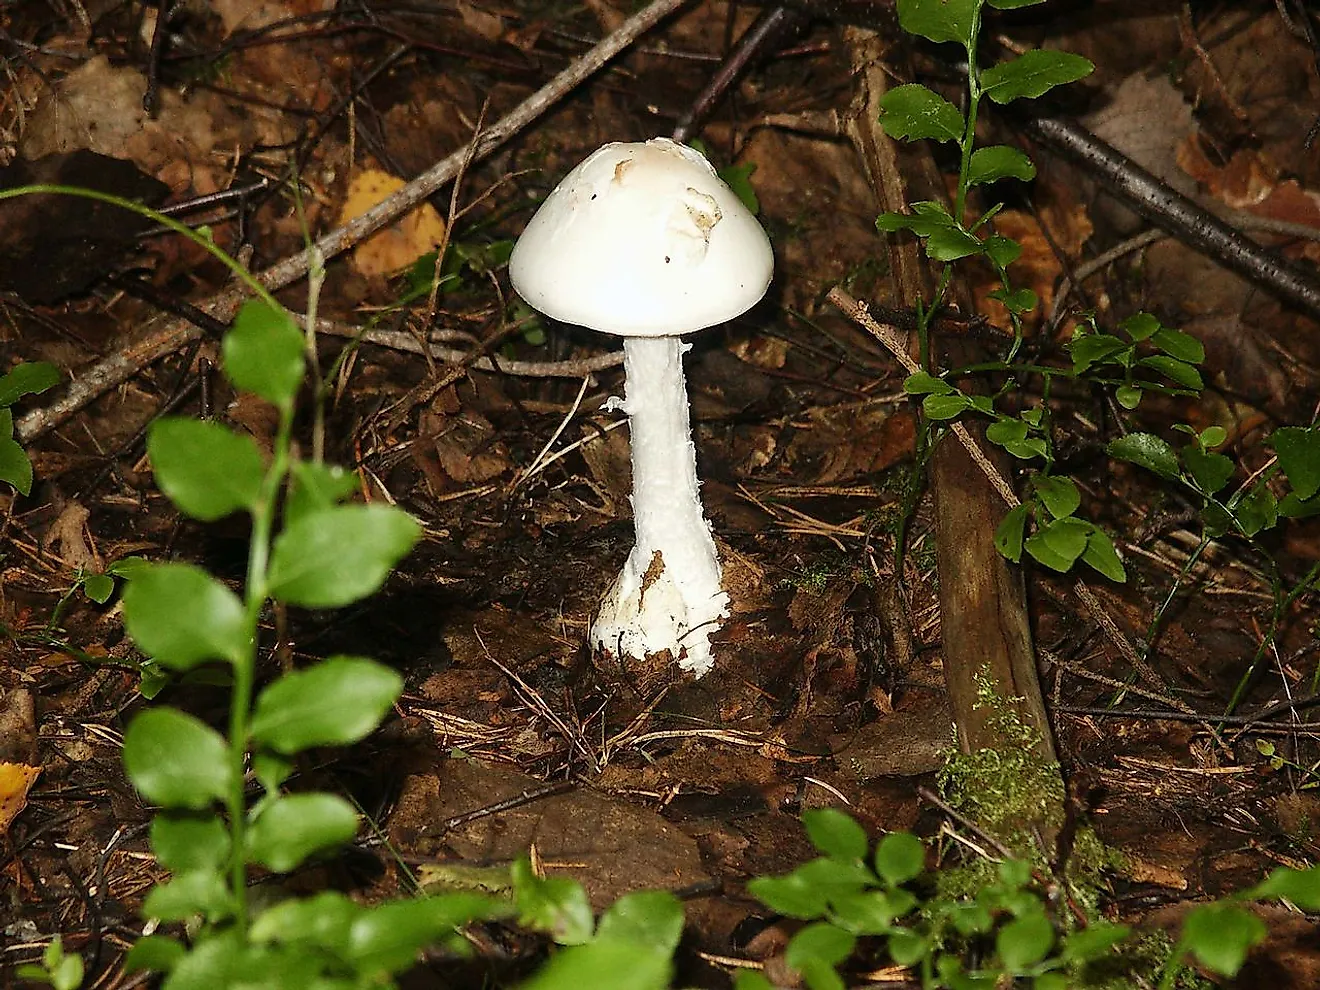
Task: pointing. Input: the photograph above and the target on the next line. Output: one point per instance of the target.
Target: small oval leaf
(176, 760)
(181, 616)
(203, 468)
(332, 704)
(338, 555)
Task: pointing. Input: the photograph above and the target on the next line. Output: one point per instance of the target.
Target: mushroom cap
(642, 240)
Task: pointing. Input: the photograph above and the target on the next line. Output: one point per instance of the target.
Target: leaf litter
(803, 437)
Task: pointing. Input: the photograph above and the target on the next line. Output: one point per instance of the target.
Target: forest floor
(828, 688)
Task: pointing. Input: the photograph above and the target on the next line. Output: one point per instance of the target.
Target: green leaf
(835, 834)
(1059, 495)
(203, 468)
(952, 243)
(157, 953)
(1018, 301)
(1006, 431)
(181, 616)
(200, 892)
(1092, 942)
(790, 895)
(1010, 533)
(15, 467)
(941, 407)
(1140, 326)
(751, 979)
(924, 383)
(314, 487)
(556, 905)
(1059, 544)
(806, 892)
(1128, 396)
(210, 964)
(618, 965)
(913, 112)
(739, 179)
(1301, 887)
(1024, 941)
(1221, 935)
(1148, 451)
(1101, 555)
(1033, 74)
(1177, 344)
(908, 948)
(1002, 251)
(28, 378)
(899, 857)
(925, 219)
(1013, 4)
(1179, 372)
(1299, 458)
(335, 703)
(339, 555)
(943, 20)
(1257, 511)
(264, 352)
(176, 760)
(323, 920)
(819, 941)
(869, 912)
(1093, 348)
(999, 162)
(387, 937)
(648, 917)
(971, 917)
(98, 587)
(293, 827)
(186, 842)
(1211, 472)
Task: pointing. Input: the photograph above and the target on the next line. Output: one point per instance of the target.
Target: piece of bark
(984, 622)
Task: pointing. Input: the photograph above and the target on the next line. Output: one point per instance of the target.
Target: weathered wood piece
(985, 626)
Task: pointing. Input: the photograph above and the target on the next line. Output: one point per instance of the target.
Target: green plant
(308, 548)
(57, 969)
(1017, 929)
(29, 378)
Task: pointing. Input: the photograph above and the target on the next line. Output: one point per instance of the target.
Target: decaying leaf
(16, 779)
(399, 244)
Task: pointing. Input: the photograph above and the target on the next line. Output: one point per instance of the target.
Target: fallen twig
(165, 334)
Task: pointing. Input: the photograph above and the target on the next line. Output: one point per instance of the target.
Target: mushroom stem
(668, 595)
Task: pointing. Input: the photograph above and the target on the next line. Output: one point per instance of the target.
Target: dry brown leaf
(481, 22)
(67, 537)
(398, 245)
(16, 779)
(1246, 180)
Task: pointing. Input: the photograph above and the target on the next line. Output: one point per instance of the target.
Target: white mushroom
(644, 241)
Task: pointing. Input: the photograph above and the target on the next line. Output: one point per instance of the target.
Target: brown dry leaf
(1147, 120)
(480, 22)
(399, 244)
(761, 352)
(16, 779)
(465, 446)
(609, 846)
(18, 727)
(1246, 180)
(67, 537)
(99, 107)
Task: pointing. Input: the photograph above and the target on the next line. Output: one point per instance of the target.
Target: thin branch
(164, 335)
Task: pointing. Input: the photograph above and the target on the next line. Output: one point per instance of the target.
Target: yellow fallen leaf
(16, 779)
(399, 244)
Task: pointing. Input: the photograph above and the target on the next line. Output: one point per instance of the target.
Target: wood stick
(165, 334)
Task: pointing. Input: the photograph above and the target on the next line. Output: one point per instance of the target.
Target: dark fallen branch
(1171, 211)
(164, 335)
